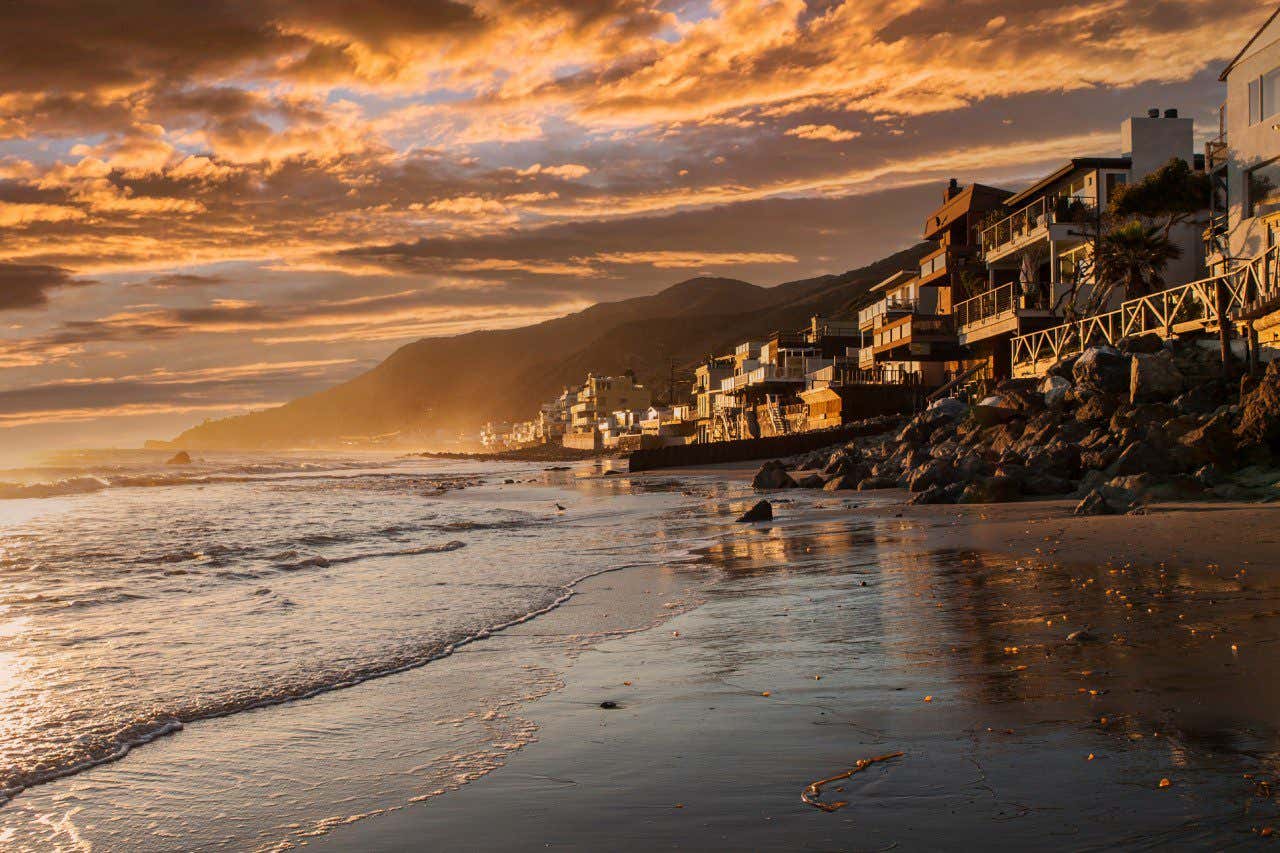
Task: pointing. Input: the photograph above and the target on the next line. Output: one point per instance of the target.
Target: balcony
(1216, 150)
(866, 358)
(998, 310)
(917, 337)
(874, 315)
(1035, 222)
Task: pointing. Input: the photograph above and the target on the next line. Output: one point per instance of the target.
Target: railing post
(1224, 327)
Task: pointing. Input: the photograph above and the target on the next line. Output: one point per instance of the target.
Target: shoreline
(690, 801)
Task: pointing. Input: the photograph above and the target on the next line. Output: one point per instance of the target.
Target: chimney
(953, 190)
(1170, 113)
(1153, 113)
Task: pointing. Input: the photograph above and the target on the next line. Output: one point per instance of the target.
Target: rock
(1202, 398)
(1214, 442)
(1041, 484)
(1230, 492)
(931, 495)
(1139, 457)
(873, 483)
(993, 410)
(1091, 481)
(1097, 409)
(838, 463)
(840, 483)
(180, 458)
(609, 704)
(1084, 635)
(813, 481)
(1064, 368)
(1094, 504)
(1148, 343)
(762, 511)
(1154, 378)
(1102, 370)
(935, 472)
(1260, 412)
(1124, 493)
(1209, 476)
(772, 475)
(989, 490)
(1054, 389)
(947, 407)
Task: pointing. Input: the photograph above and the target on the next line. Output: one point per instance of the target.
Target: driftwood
(810, 794)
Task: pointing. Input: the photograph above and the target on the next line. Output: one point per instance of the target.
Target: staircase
(776, 418)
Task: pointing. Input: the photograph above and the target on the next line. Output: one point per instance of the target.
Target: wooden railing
(1187, 307)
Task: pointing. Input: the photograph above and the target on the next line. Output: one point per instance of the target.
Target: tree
(1132, 256)
(1174, 193)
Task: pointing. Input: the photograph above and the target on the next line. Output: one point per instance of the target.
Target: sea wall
(718, 452)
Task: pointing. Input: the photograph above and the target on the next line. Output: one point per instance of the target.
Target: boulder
(838, 463)
(1094, 504)
(1154, 377)
(994, 410)
(1209, 476)
(1102, 370)
(1148, 343)
(1097, 409)
(935, 472)
(1202, 397)
(931, 495)
(762, 511)
(812, 481)
(947, 407)
(873, 483)
(1230, 492)
(1139, 457)
(772, 475)
(1064, 368)
(989, 490)
(1054, 389)
(1124, 493)
(1214, 442)
(1260, 412)
(840, 483)
(180, 458)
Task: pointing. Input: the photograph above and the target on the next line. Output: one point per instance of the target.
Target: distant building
(598, 399)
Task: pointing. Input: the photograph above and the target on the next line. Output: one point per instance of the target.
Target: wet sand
(942, 632)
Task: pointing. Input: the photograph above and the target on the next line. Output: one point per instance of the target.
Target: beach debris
(1084, 635)
(609, 704)
(762, 511)
(766, 693)
(810, 795)
(1164, 783)
(928, 698)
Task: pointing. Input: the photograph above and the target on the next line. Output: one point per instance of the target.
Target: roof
(894, 280)
(1239, 56)
(974, 196)
(837, 392)
(1062, 172)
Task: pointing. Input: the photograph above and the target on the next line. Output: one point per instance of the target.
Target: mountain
(456, 383)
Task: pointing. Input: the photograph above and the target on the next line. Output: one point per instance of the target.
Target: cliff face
(458, 382)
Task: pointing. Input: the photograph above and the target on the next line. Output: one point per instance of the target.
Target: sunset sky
(211, 207)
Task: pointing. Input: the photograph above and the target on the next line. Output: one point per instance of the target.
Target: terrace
(997, 310)
(1050, 217)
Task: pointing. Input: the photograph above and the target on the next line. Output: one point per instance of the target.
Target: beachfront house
(1244, 161)
(1039, 255)
(707, 379)
(599, 397)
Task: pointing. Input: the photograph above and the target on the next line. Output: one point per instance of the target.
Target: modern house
(600, 397)
(1039, 256)
(1244, 160)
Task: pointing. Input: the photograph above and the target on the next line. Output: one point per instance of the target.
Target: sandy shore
(846, 630)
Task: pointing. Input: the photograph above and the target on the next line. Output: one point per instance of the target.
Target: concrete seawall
(714, 453)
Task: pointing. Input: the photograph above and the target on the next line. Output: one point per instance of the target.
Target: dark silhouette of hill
(456, 383)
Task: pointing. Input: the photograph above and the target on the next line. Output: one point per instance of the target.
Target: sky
(212, 208)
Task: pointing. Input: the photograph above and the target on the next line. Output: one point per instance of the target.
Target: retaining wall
(717, 452)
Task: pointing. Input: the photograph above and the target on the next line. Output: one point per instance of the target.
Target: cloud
(28, 285)
(825, 132)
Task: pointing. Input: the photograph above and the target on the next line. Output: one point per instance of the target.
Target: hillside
(458, 382)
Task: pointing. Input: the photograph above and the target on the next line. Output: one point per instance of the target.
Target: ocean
(140, 599)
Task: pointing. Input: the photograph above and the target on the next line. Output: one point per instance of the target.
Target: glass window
(1264, 186)
(1255, 101)
(1271, 93)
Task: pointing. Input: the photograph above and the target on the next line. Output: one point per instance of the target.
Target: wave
(55, 489)
(317, 561)
(112, 746)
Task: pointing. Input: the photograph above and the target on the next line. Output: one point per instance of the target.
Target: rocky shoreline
(1115, 428)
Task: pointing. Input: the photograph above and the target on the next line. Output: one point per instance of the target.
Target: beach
(748, 661)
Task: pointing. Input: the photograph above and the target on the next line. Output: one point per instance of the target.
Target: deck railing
(1041, 213)
(1187, 307)
(1001, 300)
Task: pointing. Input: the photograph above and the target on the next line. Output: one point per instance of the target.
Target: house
(1244, 161)
(599, 397)
(707, 379)
(1039, 255)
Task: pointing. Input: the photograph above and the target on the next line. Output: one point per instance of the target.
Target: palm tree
(1132, 256)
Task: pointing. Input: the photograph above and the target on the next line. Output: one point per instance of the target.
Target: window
(1255, 101)
(1270, 93)
(1263, 186)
